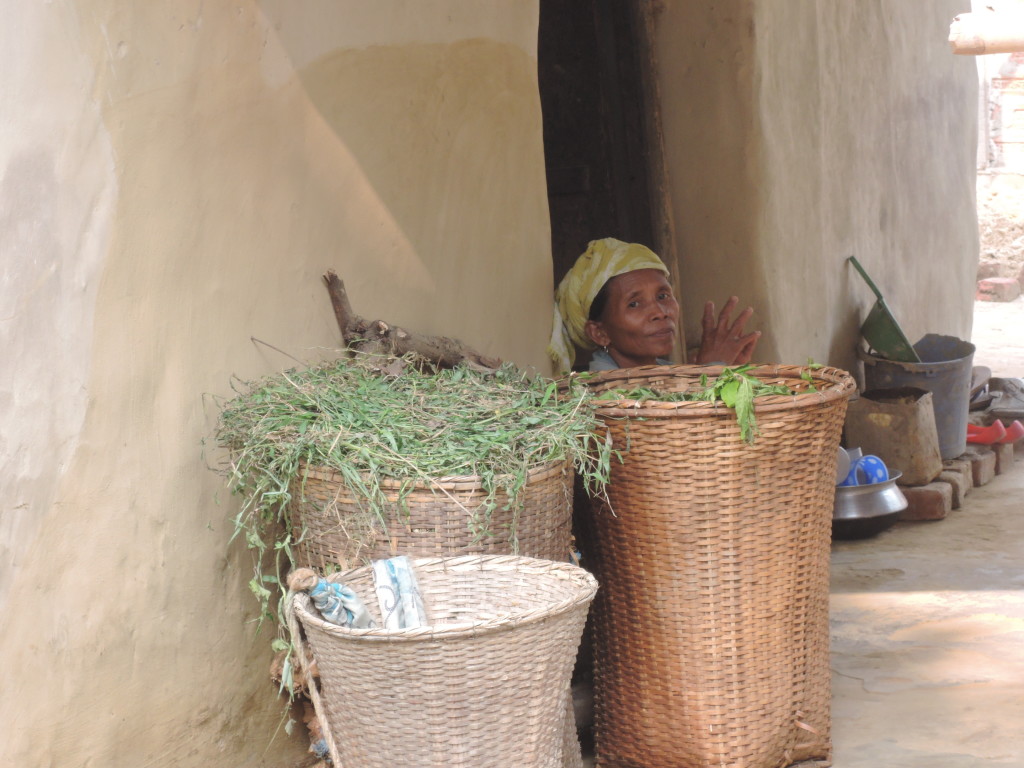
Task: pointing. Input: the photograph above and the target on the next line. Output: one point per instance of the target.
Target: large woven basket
(486, 684)
(332, 526)
(711, 629)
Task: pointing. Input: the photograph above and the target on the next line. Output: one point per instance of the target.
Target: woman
(617, 299)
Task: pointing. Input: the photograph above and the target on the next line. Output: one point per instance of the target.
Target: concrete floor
(928, 638)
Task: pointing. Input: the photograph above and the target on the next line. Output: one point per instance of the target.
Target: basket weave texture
(332, 526)
(711, 628)
(487, 683)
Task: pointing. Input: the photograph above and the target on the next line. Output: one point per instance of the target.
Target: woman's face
(639, 321)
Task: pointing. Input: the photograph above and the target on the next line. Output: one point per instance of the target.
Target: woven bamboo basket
(332, 526)
(711, 628)
(486, 684)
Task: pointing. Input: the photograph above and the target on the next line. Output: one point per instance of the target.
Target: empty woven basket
(711, 628)
(486, 684)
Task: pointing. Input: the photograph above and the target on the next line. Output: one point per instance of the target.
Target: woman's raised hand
(723, 341)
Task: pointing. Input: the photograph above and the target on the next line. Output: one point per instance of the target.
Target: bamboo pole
(984, 32)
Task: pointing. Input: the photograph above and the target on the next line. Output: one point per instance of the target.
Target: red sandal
(1014, 432)
(993, 433)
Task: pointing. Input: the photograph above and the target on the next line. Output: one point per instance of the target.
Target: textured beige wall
(800, 132)
(705, 60)
(175, 176)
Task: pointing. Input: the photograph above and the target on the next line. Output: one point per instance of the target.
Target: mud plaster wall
(799, 133)
(174, 178)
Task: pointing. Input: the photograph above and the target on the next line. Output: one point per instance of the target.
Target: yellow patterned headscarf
(603, 260)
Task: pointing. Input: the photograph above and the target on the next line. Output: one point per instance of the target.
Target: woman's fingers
(723, 340)
(708, 321)
(719, 327)
(747, 350)
(737, 328)
(730, 305)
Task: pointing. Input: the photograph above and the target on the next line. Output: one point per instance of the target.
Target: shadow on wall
(845, 339)
(417, 142)
(428, 169)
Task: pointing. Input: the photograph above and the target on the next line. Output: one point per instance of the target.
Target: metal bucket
(945, 371)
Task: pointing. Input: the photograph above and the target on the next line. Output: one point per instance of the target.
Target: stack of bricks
(991, 287)
(958, 478)
(997, 289)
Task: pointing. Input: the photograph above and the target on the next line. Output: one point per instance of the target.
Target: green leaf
(729, 392)
(745, 411)
(806, 376)
(549, 392)
(261, 592)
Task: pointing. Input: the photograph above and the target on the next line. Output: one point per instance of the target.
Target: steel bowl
(861, 511)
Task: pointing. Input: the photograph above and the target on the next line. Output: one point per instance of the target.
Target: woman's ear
(596, 333)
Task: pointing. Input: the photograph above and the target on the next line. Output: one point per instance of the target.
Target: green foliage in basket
(411, 426)
(733, 387)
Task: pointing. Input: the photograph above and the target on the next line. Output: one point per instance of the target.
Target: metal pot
(862, 511)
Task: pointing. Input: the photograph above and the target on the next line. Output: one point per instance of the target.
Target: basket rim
(449, 482)
(301, 603)
(839, 384)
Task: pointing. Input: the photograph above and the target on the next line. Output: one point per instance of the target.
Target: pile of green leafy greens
(414, 426)
(736, 388)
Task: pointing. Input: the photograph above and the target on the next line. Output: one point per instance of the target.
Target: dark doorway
(591, 90)
(597, 126)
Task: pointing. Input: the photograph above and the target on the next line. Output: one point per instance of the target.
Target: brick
(1004, 457)
(988, 269)
(963, 468)
(958, 482)
(928, 502)
(998, 289)
(983, 465)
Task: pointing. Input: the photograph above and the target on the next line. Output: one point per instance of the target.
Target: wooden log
(382, 339)
(339, 301)
(984, 32)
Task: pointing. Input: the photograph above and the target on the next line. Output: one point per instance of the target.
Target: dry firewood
(379, 338)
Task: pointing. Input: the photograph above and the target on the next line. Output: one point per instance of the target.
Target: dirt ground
(1001, 223)
(998, 335)
(998, 331)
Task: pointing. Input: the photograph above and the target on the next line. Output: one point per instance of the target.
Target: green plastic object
(881, 331)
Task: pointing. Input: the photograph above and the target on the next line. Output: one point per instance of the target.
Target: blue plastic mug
(867, 470)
